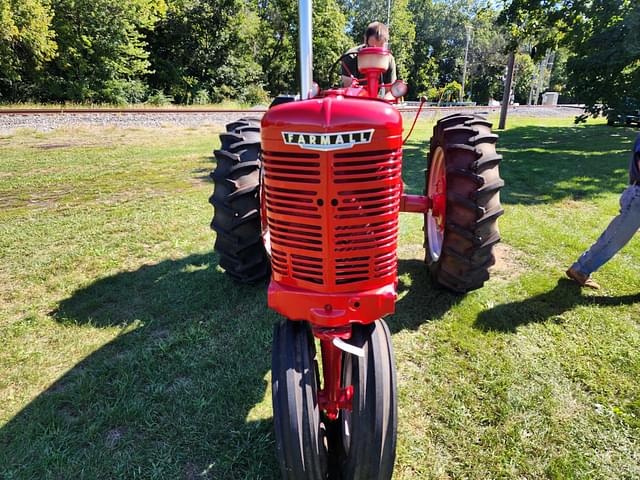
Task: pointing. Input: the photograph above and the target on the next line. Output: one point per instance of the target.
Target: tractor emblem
(327, 141)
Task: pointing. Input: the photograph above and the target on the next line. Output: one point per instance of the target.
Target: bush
(122, 92)
(222, 93)
(159, 98)
(201, 97)
(254, 95)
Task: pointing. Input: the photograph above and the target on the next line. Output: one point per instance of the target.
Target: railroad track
(173, 111)
(48, 119)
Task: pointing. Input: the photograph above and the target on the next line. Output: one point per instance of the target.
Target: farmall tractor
(311, 194)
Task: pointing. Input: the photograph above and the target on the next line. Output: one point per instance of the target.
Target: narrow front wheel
(300, 434)
(367, 433)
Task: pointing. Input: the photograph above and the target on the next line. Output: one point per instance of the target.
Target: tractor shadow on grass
(547, 164)
(178, 394)
(550, 305)
(420, 299)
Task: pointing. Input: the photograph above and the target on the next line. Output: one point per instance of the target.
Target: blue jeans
(617, 234)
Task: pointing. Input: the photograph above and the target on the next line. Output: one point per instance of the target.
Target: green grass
(126, 353)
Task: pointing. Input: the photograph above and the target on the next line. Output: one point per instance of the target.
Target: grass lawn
(125, 352)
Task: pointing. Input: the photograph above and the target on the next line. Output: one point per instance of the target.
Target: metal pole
(507, 90)
(466, 53)
(306, 47)
(389, 13)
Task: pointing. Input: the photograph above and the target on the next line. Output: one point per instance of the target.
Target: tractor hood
(333, 123)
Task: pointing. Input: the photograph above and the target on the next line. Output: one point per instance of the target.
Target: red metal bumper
(332, 309)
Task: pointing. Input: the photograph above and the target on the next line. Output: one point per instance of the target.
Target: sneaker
(582, 279)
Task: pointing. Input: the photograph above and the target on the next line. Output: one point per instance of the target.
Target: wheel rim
(437, 214)
(266, 240)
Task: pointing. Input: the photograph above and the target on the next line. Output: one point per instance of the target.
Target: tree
(523, 76)
(330, 39)
(403, 35)
(102, 52)
(26, 44)
(487, 58)
(604, 66)
(399, 17)
(603, 41)
(278, 30)
(279, 50)
(440, 40)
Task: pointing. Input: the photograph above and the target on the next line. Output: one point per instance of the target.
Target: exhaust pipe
(306, 47)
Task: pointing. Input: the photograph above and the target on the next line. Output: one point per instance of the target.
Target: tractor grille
(366, 220)
(333, 217)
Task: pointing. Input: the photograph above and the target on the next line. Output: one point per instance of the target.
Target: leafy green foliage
(202, 51)
(602, 40)
(604, 67)
(26, 43)
(523, 73)
(102, 53)
(329, 39)
(205, 46)
(487, 60)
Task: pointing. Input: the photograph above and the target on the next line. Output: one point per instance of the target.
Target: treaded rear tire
(236, 203)
(473, 186)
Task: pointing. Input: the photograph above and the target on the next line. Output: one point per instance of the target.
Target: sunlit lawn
(126, 353)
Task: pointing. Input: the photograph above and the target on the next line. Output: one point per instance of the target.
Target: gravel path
(44, 122)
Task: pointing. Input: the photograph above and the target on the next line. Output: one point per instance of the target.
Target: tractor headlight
(315, 90)
(399, 89)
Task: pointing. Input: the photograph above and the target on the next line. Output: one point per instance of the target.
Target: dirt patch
(118, 198)
(69, 414)
(46, 199)
(191, 472)
(159, 334)
(50, 146)
(113, 437)
(42, 203)
(11, 202)
(180, 383)
(509, 262)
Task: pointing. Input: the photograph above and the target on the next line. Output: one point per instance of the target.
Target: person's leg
(616, 235)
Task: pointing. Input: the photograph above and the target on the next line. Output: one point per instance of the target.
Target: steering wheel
(339, 60)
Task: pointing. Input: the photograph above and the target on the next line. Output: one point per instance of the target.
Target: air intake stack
(306, 47)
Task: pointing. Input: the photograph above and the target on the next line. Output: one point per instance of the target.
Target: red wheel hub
(438, 188)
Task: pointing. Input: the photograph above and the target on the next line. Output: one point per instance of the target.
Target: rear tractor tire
(463, 183)
(236, 202)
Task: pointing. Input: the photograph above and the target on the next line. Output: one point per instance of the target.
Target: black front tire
(473, 186)
(367, 434)
(300, 435)
(236, 202)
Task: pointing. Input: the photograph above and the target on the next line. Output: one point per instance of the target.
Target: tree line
(206, 51)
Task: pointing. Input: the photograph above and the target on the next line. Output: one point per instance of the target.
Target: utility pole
(468, 29)
(506, 97)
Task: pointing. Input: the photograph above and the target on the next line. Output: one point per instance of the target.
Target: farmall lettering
(327, 141)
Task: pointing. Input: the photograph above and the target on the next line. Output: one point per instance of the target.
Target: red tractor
(312, 193)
